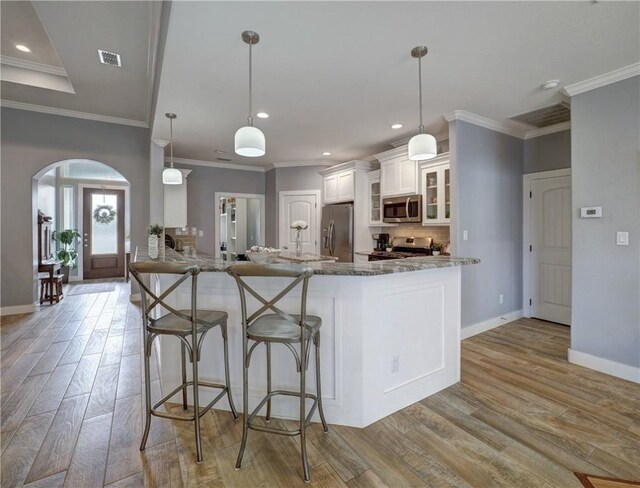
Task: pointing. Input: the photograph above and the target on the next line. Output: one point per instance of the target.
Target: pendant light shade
(421, 146)
(250, 141)
(171, 175)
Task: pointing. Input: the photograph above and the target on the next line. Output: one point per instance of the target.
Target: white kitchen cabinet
(398, 176)
(331, 189)
(340, 187)
(175, 202)
(346, 186)
(435, 187)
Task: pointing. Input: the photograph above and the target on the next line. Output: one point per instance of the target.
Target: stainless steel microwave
(402, 209)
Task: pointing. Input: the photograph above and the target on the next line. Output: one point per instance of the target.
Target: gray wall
(545, 153)
(202, 184)
(605, 171)
(488, 171)
(271, 211)
(30, 142)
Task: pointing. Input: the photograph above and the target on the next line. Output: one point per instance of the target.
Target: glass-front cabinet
(435, 186)
(375, 198)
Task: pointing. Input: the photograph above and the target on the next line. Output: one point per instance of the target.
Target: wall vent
(112, 59)
(544, 117)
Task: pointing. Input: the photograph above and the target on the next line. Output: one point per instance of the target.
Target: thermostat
(590, 212)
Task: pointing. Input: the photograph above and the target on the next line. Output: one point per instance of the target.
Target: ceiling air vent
(112, 59)
(544, 117)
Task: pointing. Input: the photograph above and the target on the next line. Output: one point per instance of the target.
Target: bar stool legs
(225, 342)
(316, 341)
(268, 416)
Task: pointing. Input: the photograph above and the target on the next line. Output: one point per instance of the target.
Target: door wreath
(104, 214)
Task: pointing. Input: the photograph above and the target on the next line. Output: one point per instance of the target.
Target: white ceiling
(335, 75)
(77, 30)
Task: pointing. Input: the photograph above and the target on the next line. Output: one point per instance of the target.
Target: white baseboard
(17, 309)
(489, 324)
(607, 366)
(135, 297)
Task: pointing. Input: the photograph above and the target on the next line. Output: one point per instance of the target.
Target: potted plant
(436, 248)
(155, 234)
(68, 239)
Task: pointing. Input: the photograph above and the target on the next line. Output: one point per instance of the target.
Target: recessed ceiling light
(262, 115)
(326, 153)
(551, 84)
(396, 126)
(23, 48)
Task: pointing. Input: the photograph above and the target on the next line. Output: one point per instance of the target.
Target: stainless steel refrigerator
(337, 231)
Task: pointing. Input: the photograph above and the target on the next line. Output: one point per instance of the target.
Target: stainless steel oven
(402, 209)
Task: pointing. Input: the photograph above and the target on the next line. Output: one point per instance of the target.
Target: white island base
(387, 341)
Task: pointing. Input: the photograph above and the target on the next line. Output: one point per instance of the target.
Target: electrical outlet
(501, 299)
(395, 363)
(465, 235)
(201, 233)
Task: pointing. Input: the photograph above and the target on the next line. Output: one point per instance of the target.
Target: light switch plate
(622, 238)
(465, 235)
(590, 212)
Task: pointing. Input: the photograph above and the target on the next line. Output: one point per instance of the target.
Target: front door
(551, 249)
(295, 206)
(103, 233)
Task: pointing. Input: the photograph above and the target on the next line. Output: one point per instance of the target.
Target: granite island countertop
(212, 264)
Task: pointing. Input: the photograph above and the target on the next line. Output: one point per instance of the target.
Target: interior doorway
(547, 239)
(103, 233)
(58, 192)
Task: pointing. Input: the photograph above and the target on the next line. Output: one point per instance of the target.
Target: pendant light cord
(250, 118)
(420, 127)
(171, 139)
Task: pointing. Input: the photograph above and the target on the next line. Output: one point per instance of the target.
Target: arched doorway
(94, 199)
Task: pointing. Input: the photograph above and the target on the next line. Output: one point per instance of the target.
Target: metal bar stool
(288, 330)
(183, 324)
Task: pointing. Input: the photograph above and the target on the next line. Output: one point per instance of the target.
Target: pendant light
(421, 146)
(249, 140)
(171, 175)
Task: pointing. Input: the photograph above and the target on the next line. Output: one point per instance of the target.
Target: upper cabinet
(375, 198)
(175, 203)
(398, 174)
(435, 189)
(339, 182)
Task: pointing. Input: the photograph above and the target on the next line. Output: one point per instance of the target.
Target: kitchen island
(390, 334)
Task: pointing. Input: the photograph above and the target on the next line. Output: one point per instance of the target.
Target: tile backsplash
(439, 234)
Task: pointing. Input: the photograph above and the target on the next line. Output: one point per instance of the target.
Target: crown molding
(356, 164)
(298, 164)
(443, 136)
(71, 113)
(33, 66)
(485, 122)
(602, 80)
(217, 164)
(543, 131)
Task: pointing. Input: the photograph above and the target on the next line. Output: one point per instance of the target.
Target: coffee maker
(382, 241)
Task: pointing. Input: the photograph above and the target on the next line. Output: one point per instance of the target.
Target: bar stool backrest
(150, 300)
(298, 273)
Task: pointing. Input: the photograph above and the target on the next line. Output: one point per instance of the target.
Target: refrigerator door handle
(407, 207)
(332, 237)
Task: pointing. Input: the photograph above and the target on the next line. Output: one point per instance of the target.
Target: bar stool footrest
(202, 410)
(263, 402)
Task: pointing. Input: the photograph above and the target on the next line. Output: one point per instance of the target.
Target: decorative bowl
(264, 257)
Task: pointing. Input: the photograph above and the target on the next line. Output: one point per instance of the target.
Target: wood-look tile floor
(521, 416)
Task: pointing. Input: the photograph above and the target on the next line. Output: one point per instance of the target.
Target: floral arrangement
(263, 249)
(299, 225)
(155, 230)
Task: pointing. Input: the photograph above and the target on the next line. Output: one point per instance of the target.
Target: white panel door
(299, 206)
(551, 249)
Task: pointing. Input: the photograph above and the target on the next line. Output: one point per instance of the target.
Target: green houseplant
(68, 239)
(155, 234)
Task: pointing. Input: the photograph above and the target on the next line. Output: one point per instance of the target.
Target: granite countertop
(305, 257)
(375, 268)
